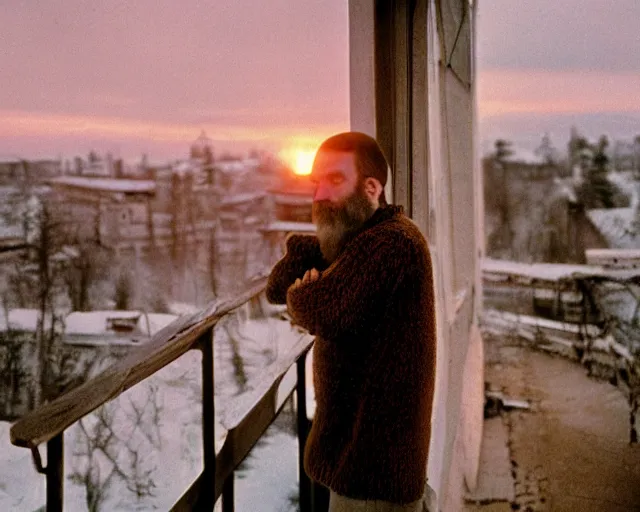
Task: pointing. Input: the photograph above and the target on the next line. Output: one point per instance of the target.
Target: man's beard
(337, 224)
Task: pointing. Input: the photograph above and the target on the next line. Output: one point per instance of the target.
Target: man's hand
(309, 277)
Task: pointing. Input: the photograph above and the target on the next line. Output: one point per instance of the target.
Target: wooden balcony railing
(244, 422)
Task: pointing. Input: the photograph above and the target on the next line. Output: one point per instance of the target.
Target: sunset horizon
(260, 77)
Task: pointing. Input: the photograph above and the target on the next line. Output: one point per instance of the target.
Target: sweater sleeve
(344, 299)
(302, 254)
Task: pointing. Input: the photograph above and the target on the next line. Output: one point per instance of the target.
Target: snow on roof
(614, 253)
(232, 166)
(183, 167)
(540, 271)
(566, 189)
(536, 321)
(99, 323)
(619, 226)
(284, 226)
(23, 320)
(242, 198)
(525, 156)
(624, 180)
(10, 230)
(183, 308)
(293, 199)
(106, 184)
(501, 270)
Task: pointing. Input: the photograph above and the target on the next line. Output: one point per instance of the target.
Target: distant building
(529, 165)
(620, 227)
(239, 252)
(291, 202)
(16, 172)
(100, 328)
(91, 339)
(114, 213)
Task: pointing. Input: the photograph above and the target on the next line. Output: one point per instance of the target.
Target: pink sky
(147, 76)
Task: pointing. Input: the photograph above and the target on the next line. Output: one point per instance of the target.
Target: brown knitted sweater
(373, 313)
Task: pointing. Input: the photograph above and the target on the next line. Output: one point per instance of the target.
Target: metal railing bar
(188, 501)
(55, 473)
(303, 431)
(206, 500)
(228, 501)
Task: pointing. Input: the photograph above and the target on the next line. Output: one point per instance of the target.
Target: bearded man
(364, 287)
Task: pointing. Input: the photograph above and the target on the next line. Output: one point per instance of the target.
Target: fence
(244, 422)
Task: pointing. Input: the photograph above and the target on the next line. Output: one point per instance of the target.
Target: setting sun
(299, 159)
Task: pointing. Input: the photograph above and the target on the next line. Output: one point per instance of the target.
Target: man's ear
(372, 188)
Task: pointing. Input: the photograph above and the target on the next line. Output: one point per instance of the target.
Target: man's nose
(321, 193)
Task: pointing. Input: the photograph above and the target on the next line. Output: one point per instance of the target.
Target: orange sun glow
(299, 159)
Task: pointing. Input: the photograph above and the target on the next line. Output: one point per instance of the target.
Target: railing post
(227, 495)
(55, 473)
(207, 496)
(303, 431)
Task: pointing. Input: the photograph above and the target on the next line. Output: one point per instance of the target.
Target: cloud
(166, 61)
(522, 105)
(24, 124)
(518, 91)
(559, 35)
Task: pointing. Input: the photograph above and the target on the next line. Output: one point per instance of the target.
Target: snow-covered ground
(169, 443)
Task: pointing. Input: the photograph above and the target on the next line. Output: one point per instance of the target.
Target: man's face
(340, 205)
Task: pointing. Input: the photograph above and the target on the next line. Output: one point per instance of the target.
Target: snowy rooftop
(501, 270)
(284, 226)
(624, 179)
(102, 325)
(619, 226)
(94, 327)
(23, 320)
(106, 184)
(183, 167)
(525, 156)
(541, 271)
(293, 199)
(566, 189)
(242, 198)
(231, 166)
(9, 230)
(614, 253)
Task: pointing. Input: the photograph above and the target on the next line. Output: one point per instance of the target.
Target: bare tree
(40, 276)
(547, 151)
(85, 265)
(114, 444)
(123, 290)
(13, 374)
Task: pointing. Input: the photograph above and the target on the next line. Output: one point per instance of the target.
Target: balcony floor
(569, 452)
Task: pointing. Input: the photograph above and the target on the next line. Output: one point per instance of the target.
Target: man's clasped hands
(309, 277)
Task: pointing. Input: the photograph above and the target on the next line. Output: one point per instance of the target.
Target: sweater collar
(382, 214)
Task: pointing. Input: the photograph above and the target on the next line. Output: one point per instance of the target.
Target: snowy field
(143, 450)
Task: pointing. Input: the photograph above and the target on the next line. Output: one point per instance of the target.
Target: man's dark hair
(369, 158)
